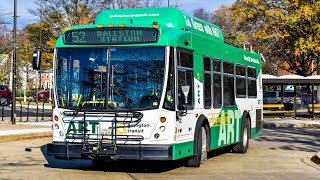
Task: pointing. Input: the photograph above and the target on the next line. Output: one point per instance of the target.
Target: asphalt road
(5, 111)
(276, 154)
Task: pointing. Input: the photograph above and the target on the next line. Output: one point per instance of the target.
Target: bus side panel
(226, 129)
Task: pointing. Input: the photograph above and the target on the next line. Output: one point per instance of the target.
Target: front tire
(243, 146)
(200, 149)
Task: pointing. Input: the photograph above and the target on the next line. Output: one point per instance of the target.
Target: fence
(27, 111)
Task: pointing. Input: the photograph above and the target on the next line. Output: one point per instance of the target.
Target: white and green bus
(152, 84)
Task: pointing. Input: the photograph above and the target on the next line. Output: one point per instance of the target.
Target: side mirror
(183, 108)
(36, 63)
(185, 90)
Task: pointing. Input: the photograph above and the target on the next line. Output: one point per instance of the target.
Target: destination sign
(111, 36)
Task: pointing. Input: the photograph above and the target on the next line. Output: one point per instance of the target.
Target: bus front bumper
(130, 151)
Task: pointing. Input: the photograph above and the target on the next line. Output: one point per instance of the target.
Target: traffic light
(36, 63)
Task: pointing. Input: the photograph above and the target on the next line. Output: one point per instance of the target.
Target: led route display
(111, 36)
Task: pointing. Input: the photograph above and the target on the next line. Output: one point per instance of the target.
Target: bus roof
(164, 17)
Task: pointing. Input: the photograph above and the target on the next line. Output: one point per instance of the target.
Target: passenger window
(217, 91)
(241, 81)
(252, 82)
(228, 84)
(207, 82)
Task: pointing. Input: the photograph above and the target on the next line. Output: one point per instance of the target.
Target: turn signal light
(155, 25)
(110, 25)
(162, 119)
(56, 118)
(122, 25)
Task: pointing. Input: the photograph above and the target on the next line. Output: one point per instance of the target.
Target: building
(46, 80)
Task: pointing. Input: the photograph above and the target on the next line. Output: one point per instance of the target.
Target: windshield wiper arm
(88, 98)
(122, 96)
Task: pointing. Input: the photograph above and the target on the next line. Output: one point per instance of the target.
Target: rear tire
(243, 146)
(200, 148)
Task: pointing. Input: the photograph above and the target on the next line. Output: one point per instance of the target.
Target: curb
(19, 137)
(289, 125)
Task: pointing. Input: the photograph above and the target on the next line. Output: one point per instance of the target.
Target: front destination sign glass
(111, 36)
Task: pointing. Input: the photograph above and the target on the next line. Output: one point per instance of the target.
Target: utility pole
(168, 3)
(40, 48)
(14, 61)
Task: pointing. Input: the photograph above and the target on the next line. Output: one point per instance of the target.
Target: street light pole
(168, 3)
(13, 107)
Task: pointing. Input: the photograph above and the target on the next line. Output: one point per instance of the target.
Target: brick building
(46, 80)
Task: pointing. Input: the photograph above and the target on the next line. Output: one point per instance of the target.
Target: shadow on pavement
(299, 139)
(111, 166)
(126, 166)
(65, 164)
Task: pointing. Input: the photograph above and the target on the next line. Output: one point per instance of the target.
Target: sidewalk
(24, 130)
(275, 122)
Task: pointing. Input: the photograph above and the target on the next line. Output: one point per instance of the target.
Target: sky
(24, 17)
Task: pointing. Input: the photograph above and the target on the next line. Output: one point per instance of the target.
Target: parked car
(43, 95)
(5, 95)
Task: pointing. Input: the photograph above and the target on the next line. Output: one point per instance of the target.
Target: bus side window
(241, 81)
(185, 78)
(228, 84)
(252, 82)
(217, 92)
(207, 82)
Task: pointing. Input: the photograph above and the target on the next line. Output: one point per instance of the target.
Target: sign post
(13, 107)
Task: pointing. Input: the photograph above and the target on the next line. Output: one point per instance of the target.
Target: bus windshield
(135, 77)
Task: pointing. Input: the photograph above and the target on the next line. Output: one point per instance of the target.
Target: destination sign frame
(109, 36)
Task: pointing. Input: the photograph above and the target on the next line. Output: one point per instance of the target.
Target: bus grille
(105, 142)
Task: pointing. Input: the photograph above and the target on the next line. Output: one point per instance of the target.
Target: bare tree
(201, 14)
(5, 39)
(64, 13)
(222, 17)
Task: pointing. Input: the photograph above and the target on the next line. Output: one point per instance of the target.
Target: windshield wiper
(88, 98)
(122, 96)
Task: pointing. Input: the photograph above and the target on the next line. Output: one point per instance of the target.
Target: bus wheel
(200, 149)
(243, 146)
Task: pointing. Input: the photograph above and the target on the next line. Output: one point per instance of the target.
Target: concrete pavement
(43, 131)
(23, 131)
(291, 123)
(276, 154)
